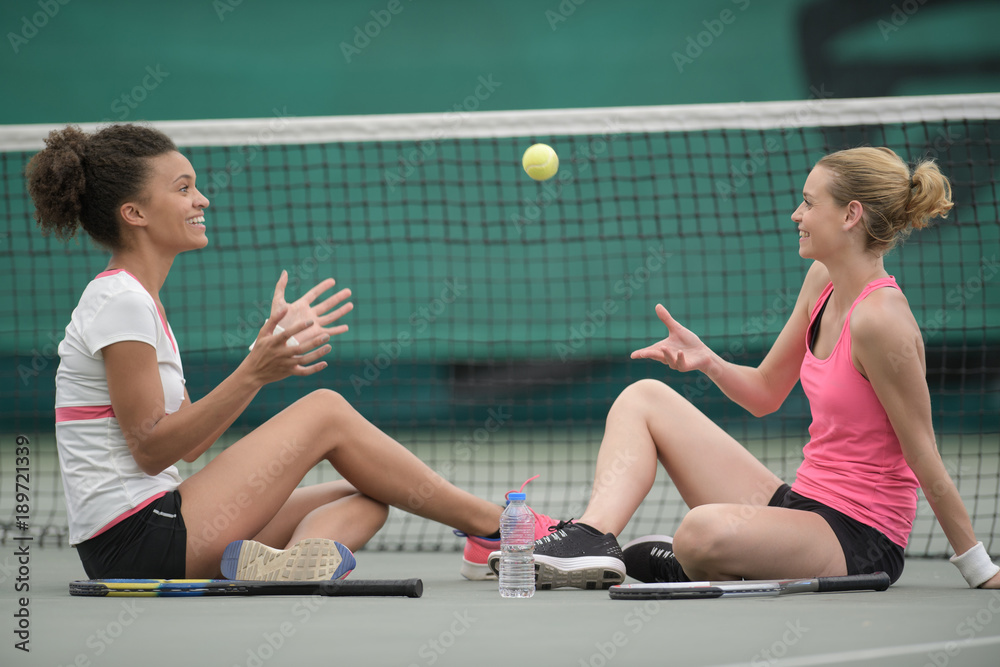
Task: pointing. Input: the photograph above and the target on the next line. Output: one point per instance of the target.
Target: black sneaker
(651, 559)
(574, 555)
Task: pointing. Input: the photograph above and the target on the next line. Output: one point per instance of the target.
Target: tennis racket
(696, 590)
(411, 588)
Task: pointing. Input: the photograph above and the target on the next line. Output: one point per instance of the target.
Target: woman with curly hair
(124, 417)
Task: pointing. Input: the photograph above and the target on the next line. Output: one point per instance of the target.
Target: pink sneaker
(475, 557)
(478, 549)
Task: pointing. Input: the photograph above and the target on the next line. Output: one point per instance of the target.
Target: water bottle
(517, 549)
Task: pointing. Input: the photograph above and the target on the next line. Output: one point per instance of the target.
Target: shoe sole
(586, 572)
(308, 560)
(590, 572)
(477, 571)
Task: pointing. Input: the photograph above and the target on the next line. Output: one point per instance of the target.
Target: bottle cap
(514, 495)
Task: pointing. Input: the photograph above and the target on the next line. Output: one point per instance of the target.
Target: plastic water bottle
(517, 549)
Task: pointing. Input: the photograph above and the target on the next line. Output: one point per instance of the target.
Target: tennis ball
(540, 162)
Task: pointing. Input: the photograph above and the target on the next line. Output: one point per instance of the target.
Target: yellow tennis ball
(540, 162)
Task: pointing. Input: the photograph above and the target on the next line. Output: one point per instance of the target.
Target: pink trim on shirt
(163, 321)
(82, 412)
(853, 462)
(135, 510)
(112, 272)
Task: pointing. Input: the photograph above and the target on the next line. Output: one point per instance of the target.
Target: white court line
(876, 653)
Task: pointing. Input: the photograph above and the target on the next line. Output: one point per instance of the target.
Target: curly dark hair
(81, 180)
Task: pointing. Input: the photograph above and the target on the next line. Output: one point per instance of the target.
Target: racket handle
(878, 581)
(410, 588)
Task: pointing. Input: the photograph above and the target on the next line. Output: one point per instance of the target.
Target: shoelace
(526, 482)
(559, 526)
(506, 496)
(556, 532)
(538, 519)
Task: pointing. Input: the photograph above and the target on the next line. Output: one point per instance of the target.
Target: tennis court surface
(929, 617)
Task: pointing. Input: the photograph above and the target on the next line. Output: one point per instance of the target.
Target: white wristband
(277, 330)
(976, 565)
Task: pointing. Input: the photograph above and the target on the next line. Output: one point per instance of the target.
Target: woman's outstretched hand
(322, 315)
(681, 350)
(273, 358)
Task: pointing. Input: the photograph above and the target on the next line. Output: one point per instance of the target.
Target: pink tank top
(853, 461)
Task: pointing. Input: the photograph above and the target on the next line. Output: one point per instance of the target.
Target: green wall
(244, 58)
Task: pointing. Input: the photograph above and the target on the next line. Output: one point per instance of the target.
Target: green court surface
(928, 618)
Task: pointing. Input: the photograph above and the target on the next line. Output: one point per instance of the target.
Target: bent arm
(763, 389)
(158, 440)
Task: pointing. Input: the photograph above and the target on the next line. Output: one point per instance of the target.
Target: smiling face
(823, 225)
(171, 209)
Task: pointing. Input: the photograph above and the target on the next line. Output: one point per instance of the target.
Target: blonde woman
(856, 347)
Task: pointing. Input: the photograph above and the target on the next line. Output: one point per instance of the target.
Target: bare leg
(651, 421)
(730, 532)
(334, 510)
(237, 494)
(724, 541)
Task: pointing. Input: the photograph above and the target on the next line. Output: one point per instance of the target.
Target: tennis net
(495, 315)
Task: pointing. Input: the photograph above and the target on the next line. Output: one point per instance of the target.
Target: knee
(702, 534)
(381, 511)
(377, 511)
(647, 388)
(646, 397)
(328, 406)
(323, 414)
(645, 392)
(326, 400)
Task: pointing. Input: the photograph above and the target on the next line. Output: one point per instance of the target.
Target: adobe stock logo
(698, 43)
(130, 100)
(364, 34)
(31, 26)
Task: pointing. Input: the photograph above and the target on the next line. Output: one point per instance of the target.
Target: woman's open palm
(681, 350)
(322, 314)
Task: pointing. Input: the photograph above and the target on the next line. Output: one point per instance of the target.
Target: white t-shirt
(101, 479)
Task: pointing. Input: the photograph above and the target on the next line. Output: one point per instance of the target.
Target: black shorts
(866, 550)
(150, 544)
